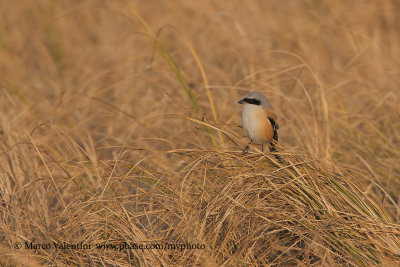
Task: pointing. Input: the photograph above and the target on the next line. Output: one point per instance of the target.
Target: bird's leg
(246, 149)
(262, 146)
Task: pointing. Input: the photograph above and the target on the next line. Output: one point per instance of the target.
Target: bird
(259, 121)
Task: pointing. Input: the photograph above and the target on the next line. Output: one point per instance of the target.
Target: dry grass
(119, 123)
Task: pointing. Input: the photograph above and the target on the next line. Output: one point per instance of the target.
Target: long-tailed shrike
(259, 121)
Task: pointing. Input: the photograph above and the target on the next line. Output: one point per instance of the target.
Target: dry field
(121, 142)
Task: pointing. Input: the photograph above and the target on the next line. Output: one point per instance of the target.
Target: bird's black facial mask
(252, 101)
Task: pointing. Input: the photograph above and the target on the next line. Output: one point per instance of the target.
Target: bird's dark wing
(275, 127)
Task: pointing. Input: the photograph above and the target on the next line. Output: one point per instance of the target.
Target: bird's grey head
(256, 98)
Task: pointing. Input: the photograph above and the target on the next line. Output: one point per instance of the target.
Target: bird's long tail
(273, 149)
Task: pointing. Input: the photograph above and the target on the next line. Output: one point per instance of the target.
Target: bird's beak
(241, 101)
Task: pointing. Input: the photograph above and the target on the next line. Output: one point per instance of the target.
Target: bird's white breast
(254, 121)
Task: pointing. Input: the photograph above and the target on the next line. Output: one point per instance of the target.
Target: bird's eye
(252, 101)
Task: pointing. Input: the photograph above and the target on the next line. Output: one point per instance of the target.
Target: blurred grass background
(119, 122)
